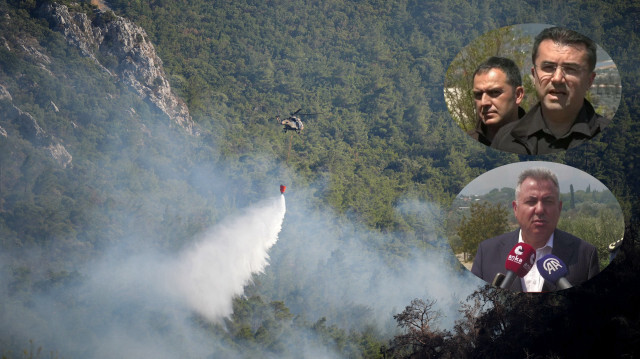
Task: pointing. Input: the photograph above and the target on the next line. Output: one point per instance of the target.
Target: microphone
(554, 270)
(519, 262)
(497, 280)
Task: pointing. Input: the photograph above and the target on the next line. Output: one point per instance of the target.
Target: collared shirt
(533, 281)
(531, 135)
(480, 132)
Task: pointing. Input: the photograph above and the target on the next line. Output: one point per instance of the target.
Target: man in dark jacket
(537, 209)
(563, 71)
(497, 93)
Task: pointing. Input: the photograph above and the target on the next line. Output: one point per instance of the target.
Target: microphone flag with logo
(521, 259)
(519, 262)
(554, 270)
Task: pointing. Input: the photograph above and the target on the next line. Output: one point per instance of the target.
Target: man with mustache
(497, 94)
(563, 71)
(537, 208)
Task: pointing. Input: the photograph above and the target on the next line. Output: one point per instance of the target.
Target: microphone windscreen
(521, 259)
(552, 268)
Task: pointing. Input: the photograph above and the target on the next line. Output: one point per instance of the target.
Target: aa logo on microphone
(551, 265)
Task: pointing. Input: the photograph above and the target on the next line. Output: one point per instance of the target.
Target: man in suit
(537, 208)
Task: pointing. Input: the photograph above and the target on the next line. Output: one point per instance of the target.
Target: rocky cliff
(116, 45)
(29, 129)
(108, 36)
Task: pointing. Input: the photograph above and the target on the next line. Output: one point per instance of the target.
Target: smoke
(141, 302)
(142, 305)
(205, 276)
(355, 276)
(137, 298)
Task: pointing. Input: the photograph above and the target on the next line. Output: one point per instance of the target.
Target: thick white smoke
(351, 275)
(213, 271)
(133, 305)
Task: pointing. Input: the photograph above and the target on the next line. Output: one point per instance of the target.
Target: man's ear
(519, 94)
(593, 76)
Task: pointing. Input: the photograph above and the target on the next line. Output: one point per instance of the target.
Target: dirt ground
(468, 264)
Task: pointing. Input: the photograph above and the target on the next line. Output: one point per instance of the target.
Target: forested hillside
(100, 185)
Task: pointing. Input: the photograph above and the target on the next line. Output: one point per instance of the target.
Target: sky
(507, 176)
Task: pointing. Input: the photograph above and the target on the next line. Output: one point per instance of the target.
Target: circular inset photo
(535, 226)
(532, 89)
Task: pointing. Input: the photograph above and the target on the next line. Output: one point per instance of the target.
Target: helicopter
(293, 122)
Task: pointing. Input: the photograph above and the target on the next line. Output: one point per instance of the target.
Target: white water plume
(133, 305)
(218, 266)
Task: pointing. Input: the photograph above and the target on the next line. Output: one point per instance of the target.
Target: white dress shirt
(533, 281)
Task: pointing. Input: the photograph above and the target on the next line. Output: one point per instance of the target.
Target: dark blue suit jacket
(580, 257)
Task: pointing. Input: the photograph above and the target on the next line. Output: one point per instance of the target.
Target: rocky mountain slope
(136, 62)
(116, 45)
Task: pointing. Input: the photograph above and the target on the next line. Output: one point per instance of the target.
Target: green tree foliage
(374, 69)
(256, 328)
(572, 204)
(486, 220)
(600, 225)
